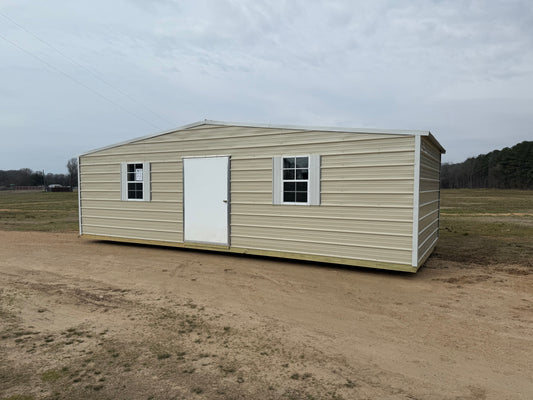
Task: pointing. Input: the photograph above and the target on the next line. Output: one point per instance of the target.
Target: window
(296, 179)
(135, 181)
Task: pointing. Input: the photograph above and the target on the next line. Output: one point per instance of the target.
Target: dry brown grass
(38, 211)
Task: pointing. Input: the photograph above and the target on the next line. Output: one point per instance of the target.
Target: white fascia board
(274, 126)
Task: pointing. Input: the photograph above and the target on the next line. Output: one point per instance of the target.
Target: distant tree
(60, 179)
(36, 178)
(509, 168)
(72, 166)
(27, 177)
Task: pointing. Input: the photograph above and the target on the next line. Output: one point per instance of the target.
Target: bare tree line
(28, 177)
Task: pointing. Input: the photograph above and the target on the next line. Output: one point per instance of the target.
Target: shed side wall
(428, 222)
(366, 191)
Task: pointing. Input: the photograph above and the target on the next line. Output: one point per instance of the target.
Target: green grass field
(486, 226)
(477, 226)
(38, 211)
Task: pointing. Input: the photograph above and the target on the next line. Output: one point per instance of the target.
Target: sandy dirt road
(88, 319)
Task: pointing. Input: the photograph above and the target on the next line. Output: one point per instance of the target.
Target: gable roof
(274, 126)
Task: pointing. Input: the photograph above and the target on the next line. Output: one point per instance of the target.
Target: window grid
(295, 179)
(135, 181)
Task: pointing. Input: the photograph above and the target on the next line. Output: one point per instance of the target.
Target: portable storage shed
(362, 197)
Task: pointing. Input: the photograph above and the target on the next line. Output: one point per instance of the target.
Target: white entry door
(205, 198)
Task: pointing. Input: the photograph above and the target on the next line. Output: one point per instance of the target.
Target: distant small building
(55, 187)
(362, 197)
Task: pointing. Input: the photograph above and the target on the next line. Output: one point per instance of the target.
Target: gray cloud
(461, 69)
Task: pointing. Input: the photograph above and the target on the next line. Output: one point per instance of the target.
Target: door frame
(228, 198)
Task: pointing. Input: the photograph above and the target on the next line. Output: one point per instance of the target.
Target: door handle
(225, 201)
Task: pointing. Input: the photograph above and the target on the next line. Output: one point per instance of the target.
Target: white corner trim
(79, 197)
(416, 200)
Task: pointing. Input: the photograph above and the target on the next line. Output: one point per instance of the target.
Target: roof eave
(275, 126)
(321, 128)
(436, 143)
(188, 126)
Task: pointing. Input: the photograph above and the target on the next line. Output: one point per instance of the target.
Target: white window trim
(313, 180)
(147, 191)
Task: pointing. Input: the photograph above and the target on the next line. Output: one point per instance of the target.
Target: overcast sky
(78, 75)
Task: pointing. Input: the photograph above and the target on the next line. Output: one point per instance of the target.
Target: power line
(89, 71)
(51, 66)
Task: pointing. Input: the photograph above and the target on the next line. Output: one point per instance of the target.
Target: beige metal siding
(428, 216)
(103, 212)
(366, 191)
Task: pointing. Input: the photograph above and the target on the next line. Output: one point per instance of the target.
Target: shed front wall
(365, 212)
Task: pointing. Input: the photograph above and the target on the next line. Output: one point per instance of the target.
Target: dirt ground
(84, 319)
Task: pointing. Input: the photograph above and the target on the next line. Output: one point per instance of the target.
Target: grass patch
(38, 211)
(465, 201)
(162, 356)
(486, 226)
(52, 375)
(297, 376)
